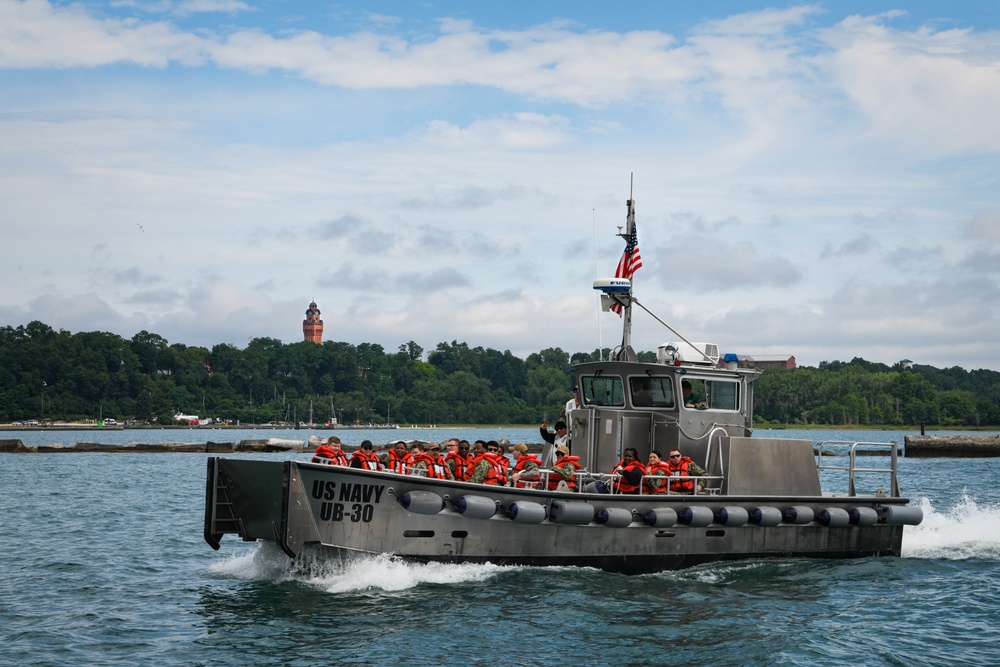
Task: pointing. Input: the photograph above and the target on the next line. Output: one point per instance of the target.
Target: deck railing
(849, 448)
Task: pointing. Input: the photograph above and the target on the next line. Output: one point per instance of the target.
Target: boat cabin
(692, 406)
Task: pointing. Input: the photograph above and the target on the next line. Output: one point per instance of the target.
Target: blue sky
(818, 180)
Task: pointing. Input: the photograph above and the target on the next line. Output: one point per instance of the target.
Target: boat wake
(966, 530)
(346, 574)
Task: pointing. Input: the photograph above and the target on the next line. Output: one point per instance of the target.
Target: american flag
(630, 262)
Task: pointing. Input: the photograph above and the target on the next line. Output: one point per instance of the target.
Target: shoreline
(914, 446)
(266, 446)
(69, 426)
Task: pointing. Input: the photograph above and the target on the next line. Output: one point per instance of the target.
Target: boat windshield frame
(602, 390)
(714, 391)
(649, 391)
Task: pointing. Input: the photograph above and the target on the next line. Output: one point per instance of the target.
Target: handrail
(852, 468)
(611, 477)
(708, 453)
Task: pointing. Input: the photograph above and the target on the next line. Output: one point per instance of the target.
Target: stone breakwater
(951, 446)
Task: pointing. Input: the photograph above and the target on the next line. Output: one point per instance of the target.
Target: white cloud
(710, 263)
(37, 34)
(463, 183)
(934, 91)
(984, 226)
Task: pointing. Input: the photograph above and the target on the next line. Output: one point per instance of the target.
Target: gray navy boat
(761, 498)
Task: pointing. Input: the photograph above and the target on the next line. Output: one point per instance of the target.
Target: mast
(616, 293)
(626, 349)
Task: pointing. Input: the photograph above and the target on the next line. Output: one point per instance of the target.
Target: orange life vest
(519, 466)
(368, 461)
(572, 462)
(441, 469)
(622, 485)
(681, 485)
(491, 474)
(326, 454)
(656, 467)
(461, 464)
(500, 463)
(398, 463)
(426, 459)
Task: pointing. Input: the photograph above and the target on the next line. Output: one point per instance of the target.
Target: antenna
(600, 332)
(630, 217)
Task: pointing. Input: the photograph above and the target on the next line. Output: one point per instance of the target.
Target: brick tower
(312, 326)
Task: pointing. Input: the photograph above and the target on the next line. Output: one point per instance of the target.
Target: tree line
(863, 393)
(61, 376)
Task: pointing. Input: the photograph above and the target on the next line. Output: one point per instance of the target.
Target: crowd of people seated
(485, 462)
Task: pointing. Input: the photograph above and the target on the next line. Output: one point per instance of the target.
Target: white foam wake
(966, 530)
(386, 573)
(349, 574)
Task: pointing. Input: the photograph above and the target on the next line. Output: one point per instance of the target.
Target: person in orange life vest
(657, 472)
(420, 462)
(501, 462)
(564, 469)
(331, 453)
(630, 470)
(525, 472)
(366, 457)
(323, 454)
(398, 458)
(684, 466)
(484, 468)
(457, 458)
(441, 470)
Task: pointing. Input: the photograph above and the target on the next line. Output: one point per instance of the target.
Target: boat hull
(305, 505)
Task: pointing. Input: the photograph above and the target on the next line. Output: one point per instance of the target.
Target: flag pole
(626, 348)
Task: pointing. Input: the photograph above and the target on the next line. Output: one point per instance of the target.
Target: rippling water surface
(103, 563)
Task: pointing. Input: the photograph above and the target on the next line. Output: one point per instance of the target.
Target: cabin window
(603, 390)
(718, 394)
(651, 392)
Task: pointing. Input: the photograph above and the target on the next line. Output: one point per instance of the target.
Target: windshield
(603, 390)
(651, 392)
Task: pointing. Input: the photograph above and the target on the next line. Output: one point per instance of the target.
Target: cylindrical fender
(765, 516)
(863, 516)
(660, 517)
(422, 502)
(571, 512)
(475, 507)
(799, 515)
(596, 487)
(525, 511)
(732, 516)
(613, 517)
(834, 517)
(901, 515)
(696, 516)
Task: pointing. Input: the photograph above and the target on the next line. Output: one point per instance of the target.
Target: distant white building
(192, 420)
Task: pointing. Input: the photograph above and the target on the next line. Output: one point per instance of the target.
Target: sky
(817, 180)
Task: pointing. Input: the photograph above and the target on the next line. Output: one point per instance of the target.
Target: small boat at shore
(760, 497)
